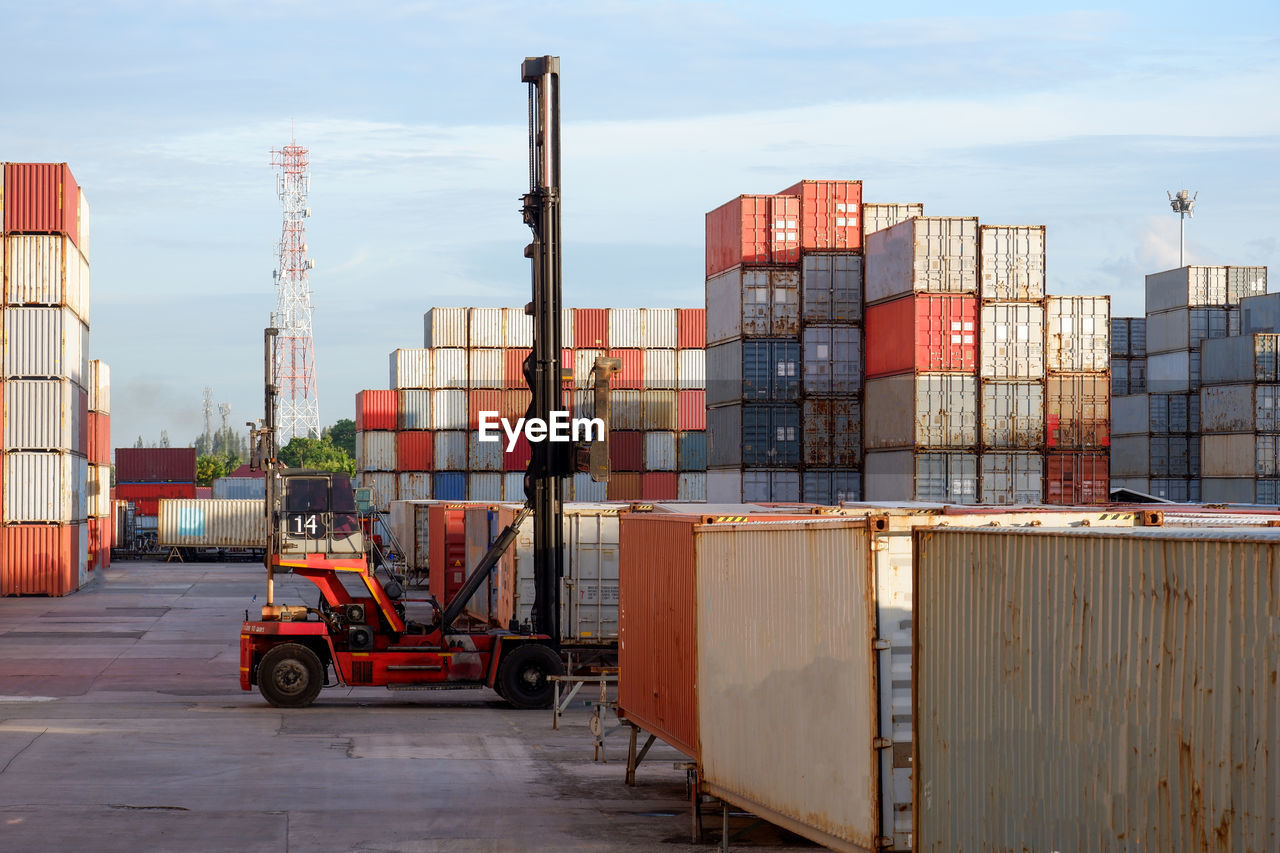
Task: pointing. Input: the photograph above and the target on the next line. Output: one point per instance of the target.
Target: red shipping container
(923, 333)
(1077, 479)
(691, 328)
(590, 328)
(623, 486)
(447, 541)
(41, 198)
(375, 410)
(39, 559)
(626, 451)
(513, 368)
(414, 450)
(156, 465)
(752, 229)
(691, 410)
(631, 376)
(487, 400)
(659, 486)
(146, 496)
(515, 404)
(99, 447)
(518, 458)
(830, 215)
(99, 543)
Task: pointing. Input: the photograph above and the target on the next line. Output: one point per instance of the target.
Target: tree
(343, 435)
(164, 438)
(210, 468)
(317, 453)
(139, 443)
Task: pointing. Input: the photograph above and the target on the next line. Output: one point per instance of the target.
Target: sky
(1076, 117)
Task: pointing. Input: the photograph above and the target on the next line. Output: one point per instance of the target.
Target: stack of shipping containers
(1128, 356)
(420, 439)
(1077, 399)
(144, 475)
(45, 540)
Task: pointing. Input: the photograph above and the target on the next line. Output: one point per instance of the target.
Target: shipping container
(98, 491)
(691, 410)
(921, 410)
(410, 368)
(1198, 286)
(755, 435)
(925, 332)
(584, 361)
(590, 328)
(660, 410)
(39, 559)
(517, 329)
(1175, 413)
(659, 486)
(1011, 344)
(736, 485)
(146, 496)
(1076, 479)
(660, 451)
(376, 450)
(1119, 337)
(1239, 408)
(513, 367)
(832, 432)
(1131, 456)
(411, 530)
(623, 486)
(1240, 455)
(922, 255)
(99, 387)
(831, 287)
(1078, 411)
(212, 524)
(584, 489)
(1128, 376)
(45, 343)
(753, 370)
(660, 369)
(753, 229)
(626, 411)
(692, 486)
(626, 327)
(1188, 328)
(486, 402)
(691, 450)
(1011, 478)
(519, 455)
(45, 414)
(1239, 490)
(1260, 314)
(84, 225)
(449, 410)
(907, 475)
(43, 269)
(830, 214)
(691, 328)
(691, 371)
(1243, 282)
(99, 543)
(445, 327)
(626, 451)
(1173, 372)
(449, 368)
(1252, 358)
(449, 454)
(631, 376)
(1175, 456)
(484, 456)
(515, 404)
(414, 451)
(879, 216)
(41, 198)
(1012, 260)
(1132, 638)
(1013, 416)
(753, 302)
(830, 487)
(484, 486)
(485, 367)
(447, 547)
(1130, 415)
(1079, 332)
(156, 465)
(413, 486)
(832, 360)
(413, 409)
(1180, 489)
(239, 488)
(376, 410)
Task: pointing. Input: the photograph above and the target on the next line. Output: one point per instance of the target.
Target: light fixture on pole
(1183, 204)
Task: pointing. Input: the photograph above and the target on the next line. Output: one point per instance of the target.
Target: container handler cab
(313, 530)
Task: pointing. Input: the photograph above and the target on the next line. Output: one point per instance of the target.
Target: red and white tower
(298, 407)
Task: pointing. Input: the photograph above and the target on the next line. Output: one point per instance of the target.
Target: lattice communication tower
(298, 407)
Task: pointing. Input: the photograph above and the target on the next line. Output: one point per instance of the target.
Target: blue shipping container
(771, 436)
(831, 487)
(691, 451)
(240, 488)
(759, 369)
(449, 486)
(770, 486)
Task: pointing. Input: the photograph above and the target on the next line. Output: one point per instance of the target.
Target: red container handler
(156, 465)
(415, 450)
(39, 559)
(1077, 479)
(146, 496)
(925, 332)
(448, 550)
(375, 410)
(691, 328)
(752, 230)
(631, 376)
(41, 198)
(590, 328)
(830, 215)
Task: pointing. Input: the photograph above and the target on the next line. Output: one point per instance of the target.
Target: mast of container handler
(549, 460)
(262, 457)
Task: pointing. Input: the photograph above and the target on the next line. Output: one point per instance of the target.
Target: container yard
(793, 521)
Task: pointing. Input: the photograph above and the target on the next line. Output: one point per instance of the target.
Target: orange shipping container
(631, 376)
(623, 486)
(486, 400)
(41, 198)
(590, 328)
(1077, 479)
(99, 447)
(924, 333)
(375, 410)
(691, 328)
(830, 215)
(447, 542)
(39, 559)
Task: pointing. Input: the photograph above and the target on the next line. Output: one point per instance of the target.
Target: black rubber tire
(290, 676)
(522, 676)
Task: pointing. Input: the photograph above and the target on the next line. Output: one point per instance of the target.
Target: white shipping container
(1011, 478)
(1260, 314)
(724, 485)
(445, 327)
(1130, 688)
(1187, 286)
(659, 451)
(45, 487)
(1013, 415)
(448, 368)
(99, 387)
(1011, 341)
(45, 269)
(921, 410)
(625, 327)
(819, 779)
(626, 410)
(753, 302)
(584, 489)
(485, 328)
(518, 328)
(906, 475)
(1243, 282)
(1173, 372)
(484, 487)
(925, 254)
(484, 456)
(1252, 358)
(45, 343)
(83, 225)
(877, 217)
(449, 409)
(43, 414)
(1240, 408)
(568, 339)
(410, 368)
(660, 368)
(382, 486)
(692, 486)
(486, 368)
(206, 523)
(98, 491)
(513, 487)
(659, 410)
(413, 486)
(450, 451)
(691, 369)
(1079, 333)
(659, 329)
(376, 450)
(1130, 415)
(1012, 260)
(413, 409)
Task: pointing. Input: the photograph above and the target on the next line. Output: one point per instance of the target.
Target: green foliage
(210, 468)
(317, 453)
(343, 435)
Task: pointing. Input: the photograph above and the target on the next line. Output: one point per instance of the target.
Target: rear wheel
(290, 676)
(523, 676)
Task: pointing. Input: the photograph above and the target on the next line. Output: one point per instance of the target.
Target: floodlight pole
(1183, 204)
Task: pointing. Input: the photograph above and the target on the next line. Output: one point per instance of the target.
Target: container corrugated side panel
(212, 523)
(1127, 690)
(1012, 414)
(35, 273)
(413, 485)
(484, 456)
(660, 370)
(413, 409)
(41, 487)
(832, 360)
(1011, 478)
(625, 327)
(1079, 331)
(876, 216)
(45, 342)
(692, 486)
(486, 368)
(659, 329)
(100, 391)
(449, 368)
(819, 779)
(38, 560)
(660, 451)
(484, 328)
(410, 368)
(41, 414)
(925, 254)
(921, 410)
(445, 327)
(240, 488)
(659, 410)
(377, 450)
(448, 409)
(382, 484)
(1012, 260)
(98, 491)
(517, 328)
(1011, 341)
(450, 454)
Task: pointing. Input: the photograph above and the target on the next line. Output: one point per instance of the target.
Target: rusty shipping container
(99, 387)
(156, 465)
(1077, 478)
(831, 287)
(931, 254)
(753, 230)
(1012, 415)
(753, 302)
(924, 410)
(1127, 701)
(1012, 260)
(910, 475)
(1079, 334)
(1011, 343)
(1078, 411)
(830, 214)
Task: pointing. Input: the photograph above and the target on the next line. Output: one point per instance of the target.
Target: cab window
(307, 494)
(344, 500)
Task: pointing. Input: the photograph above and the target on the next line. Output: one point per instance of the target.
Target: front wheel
(523, 676)
(290, 676)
